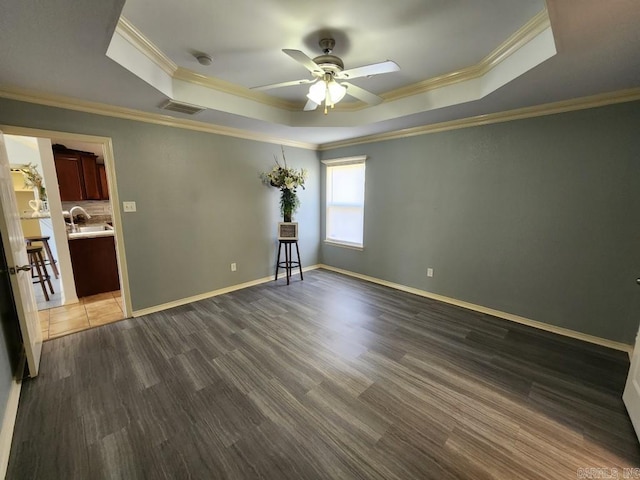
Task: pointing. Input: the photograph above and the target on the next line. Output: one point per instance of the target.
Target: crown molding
(153, 53)
(139, 116)
(600, 100)
(582, 103)
(134, 36)
(534, 27)
(231, 88)
(521, 37)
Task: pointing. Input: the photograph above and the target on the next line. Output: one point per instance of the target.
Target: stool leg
(278, 259)
(287, 260)
(52, 261)
(299, 262)
(47, 278)
(36, 263)
(32, 262)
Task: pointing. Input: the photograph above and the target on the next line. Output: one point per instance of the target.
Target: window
(345, 201)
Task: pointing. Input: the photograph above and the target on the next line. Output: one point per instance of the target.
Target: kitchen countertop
(29, 216)
(100, 233)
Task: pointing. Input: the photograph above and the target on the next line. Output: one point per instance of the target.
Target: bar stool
(289, 263)
(37, 261)
(49, 260)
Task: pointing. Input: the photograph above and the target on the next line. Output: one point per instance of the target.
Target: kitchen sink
(94, 228)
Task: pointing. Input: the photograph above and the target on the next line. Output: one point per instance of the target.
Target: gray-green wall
(537, 217)
(200, 203)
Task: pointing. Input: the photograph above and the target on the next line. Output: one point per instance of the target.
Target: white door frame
(109, 163)
(631, 394)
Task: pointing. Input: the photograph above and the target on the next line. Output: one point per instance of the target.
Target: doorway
(70, 308)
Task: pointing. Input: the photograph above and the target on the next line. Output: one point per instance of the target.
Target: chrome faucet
(73, 225)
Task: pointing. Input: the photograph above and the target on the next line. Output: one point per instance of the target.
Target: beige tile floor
(90, 312)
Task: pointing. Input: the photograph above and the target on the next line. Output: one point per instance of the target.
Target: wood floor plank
(330, 377)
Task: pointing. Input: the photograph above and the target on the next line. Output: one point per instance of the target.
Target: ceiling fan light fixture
(328, 91)
(317, 92)
(325, 69)
(336, 91)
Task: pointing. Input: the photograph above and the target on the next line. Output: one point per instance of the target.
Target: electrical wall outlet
(129, 206)
(429, 272)
(234, 267)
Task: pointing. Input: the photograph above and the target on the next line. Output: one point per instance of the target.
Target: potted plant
(287, 180)
(33, 180)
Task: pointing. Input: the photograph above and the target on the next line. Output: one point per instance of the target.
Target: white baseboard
(423, 293)
(8, 423)
(490, 311)
(215, 293)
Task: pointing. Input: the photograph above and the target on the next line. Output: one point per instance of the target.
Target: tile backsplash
(100, 210)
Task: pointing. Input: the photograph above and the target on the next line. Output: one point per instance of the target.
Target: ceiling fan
(326, 70)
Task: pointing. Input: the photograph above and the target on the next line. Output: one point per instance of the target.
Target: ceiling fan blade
(305, 61)
(310, 105)
(285, 84)
(368, 70)
(362, 94)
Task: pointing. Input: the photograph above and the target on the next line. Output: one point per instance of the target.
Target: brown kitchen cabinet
(104, 186)
(78, 175)
(95, 268)
(90, 177)
(69, 171)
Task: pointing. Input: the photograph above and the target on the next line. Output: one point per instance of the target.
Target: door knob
(23, 268)
(638, 281)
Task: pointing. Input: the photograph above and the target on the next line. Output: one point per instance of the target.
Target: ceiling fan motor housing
(329, 63)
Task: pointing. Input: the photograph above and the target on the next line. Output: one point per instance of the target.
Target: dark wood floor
(326, 378)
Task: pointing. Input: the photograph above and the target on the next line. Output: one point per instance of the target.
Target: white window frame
(338, 162)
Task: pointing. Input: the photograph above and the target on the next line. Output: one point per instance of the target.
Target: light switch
(129, 206)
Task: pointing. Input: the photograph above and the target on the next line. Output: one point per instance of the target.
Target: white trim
(489, 311)
(351, 246)
(107, 150)
(8, 424)
(530, 30)
(517, 42)
(69, 103)
(134, 36)
(582, 103)
(215, 293)
(237, 90)
(116, 217)
(335, 162)
(146, 47)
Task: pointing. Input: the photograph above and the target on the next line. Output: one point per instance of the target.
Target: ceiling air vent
(181, 107)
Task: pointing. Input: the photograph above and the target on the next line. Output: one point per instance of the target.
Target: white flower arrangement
(287, 180)
(33, 179)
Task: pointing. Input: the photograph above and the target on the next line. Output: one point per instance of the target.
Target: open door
(631, 395)
(18, 264)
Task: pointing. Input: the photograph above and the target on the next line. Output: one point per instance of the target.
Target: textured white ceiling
(58, 48)
(245, 37)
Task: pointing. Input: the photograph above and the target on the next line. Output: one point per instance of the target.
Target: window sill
(351, 246)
